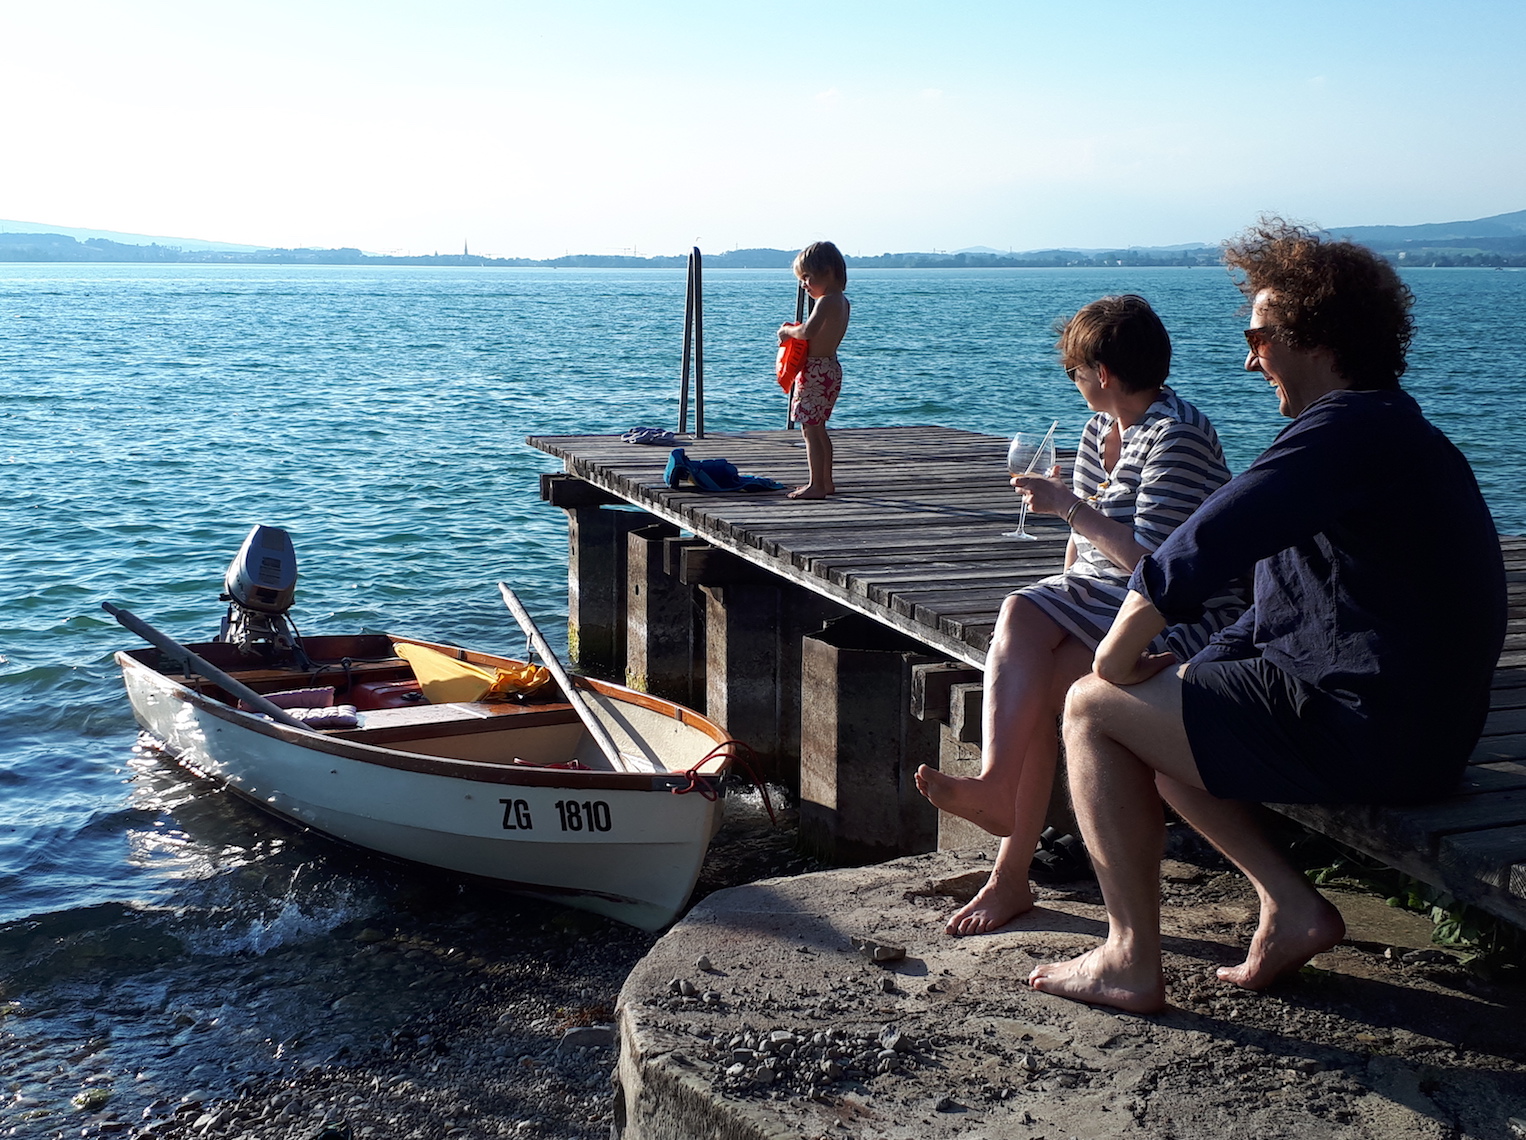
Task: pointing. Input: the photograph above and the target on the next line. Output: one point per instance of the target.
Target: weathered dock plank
(916, 540)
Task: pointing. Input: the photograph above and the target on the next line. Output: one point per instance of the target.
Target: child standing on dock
(824, 274)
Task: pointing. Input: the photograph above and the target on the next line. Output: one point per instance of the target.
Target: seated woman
(1146, 460)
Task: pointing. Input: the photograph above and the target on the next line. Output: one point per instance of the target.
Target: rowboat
(512, 788)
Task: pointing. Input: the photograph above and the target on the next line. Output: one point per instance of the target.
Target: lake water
(151, 415)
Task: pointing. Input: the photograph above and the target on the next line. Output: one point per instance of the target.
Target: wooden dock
(915, 542)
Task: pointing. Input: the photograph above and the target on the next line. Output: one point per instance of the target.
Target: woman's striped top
(1170, 462)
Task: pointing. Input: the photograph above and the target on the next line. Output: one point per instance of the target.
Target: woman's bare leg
(1007, 893)
(1020, 678)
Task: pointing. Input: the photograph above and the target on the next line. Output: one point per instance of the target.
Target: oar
(574, 698)
(194, 664)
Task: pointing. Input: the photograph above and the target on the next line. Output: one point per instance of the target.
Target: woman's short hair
(822, 258)
(1334, 295)
(1122, 332)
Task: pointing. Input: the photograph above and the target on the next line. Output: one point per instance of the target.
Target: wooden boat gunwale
(353, 744)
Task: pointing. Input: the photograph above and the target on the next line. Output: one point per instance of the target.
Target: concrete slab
(756, 1017)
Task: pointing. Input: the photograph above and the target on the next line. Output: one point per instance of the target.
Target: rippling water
(152, 414)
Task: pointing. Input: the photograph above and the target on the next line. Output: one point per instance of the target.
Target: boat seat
(406, 722)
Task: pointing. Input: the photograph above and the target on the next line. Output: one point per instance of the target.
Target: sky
(581, 126)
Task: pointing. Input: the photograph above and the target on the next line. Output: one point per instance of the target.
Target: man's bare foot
(1286, 939)
(809, 491)
(1097, 978)
(968, 797)
(1001, 900)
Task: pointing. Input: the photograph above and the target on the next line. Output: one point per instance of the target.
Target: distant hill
(1496, 240)
(1499, 225)
(9, 227)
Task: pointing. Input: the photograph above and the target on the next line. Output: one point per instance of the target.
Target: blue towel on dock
(713, 475)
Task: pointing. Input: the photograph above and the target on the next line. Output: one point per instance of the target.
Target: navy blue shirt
(1377, 567)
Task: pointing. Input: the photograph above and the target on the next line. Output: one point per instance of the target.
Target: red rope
(739, 754)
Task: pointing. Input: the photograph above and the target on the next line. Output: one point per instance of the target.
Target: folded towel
(335, 716)
(648, 435)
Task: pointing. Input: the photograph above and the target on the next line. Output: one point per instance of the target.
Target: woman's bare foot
(1002, 899)
(809, 491)
(1100, 977)
(968, 797)
(1286, 939)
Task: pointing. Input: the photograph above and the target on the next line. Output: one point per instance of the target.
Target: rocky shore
(833, 1006)
(456, 1011)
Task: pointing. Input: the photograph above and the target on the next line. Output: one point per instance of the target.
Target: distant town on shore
(1499, 240)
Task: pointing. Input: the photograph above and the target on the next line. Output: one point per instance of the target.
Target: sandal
(1059, 858)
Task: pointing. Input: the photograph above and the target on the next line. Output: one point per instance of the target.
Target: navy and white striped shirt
(1169, 463)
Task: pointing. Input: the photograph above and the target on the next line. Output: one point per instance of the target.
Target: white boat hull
(621, 845)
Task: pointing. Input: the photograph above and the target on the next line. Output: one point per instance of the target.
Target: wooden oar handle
(194, 664)
(595, 727)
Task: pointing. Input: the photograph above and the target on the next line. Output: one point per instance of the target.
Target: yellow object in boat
(445, 679)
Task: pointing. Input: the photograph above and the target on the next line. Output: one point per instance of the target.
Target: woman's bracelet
(1070, 514)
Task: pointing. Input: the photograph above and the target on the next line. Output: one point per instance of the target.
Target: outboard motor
(261, 585)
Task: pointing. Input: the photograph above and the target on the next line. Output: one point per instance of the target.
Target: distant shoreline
(54, 248)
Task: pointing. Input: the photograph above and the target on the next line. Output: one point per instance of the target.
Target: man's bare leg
(1116, 739)
(1020, 678)
(1296, 923)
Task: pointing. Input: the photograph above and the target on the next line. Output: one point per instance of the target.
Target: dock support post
(741, 666)
(947, 694)
(959, 754)
(860, 745)
(659, 612)
(753, 626)
(596, 557)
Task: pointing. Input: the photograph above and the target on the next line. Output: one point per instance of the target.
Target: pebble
(703, 964)
(586, 1037)
(878, 951)
(1427, 958)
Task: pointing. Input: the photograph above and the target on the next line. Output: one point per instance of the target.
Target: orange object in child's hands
(792, 354)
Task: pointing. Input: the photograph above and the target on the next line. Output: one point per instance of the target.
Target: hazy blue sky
(540, 128)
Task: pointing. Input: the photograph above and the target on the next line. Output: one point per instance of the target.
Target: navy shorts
(1259, 733)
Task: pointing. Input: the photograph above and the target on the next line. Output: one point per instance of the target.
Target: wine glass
(1030, 454)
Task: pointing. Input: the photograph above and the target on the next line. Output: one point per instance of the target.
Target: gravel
(461, 1012)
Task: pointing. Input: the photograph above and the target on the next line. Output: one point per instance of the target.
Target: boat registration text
(573, 815)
